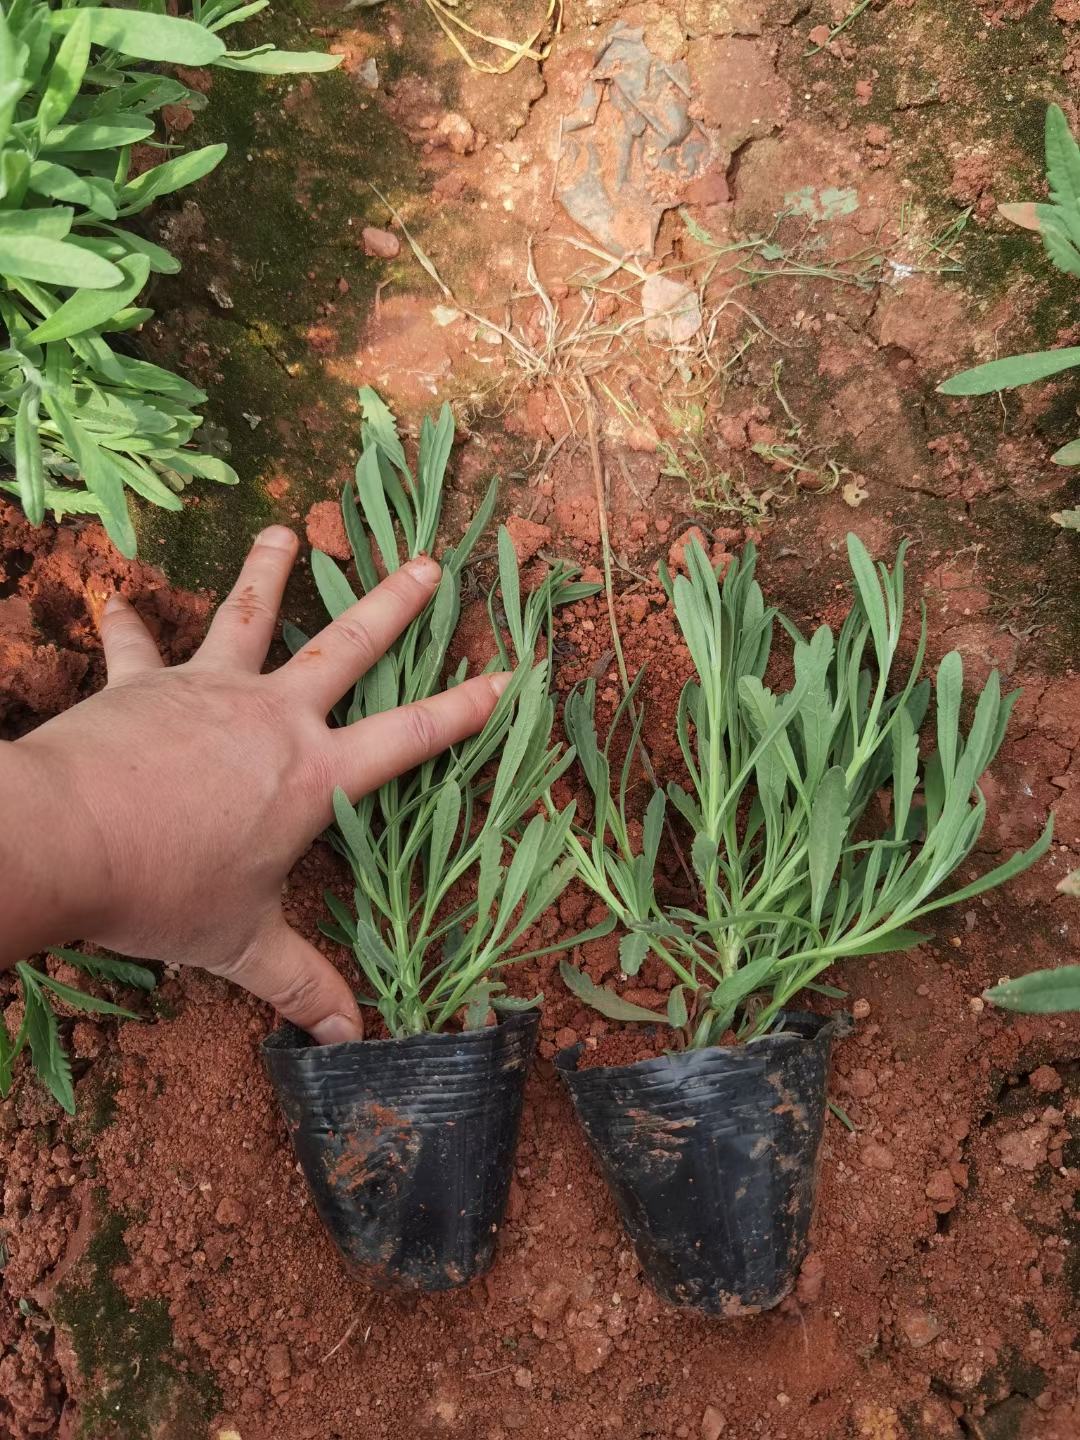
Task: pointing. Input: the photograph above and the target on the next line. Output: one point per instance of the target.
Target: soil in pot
(408, 1144)
(711, 1156)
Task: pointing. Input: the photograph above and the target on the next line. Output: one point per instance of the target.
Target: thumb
(284, 969)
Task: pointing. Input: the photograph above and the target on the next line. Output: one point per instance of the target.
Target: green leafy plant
(40, 1029)
(1058, 223)
(797, 862)
(450, 872)
(82, 420)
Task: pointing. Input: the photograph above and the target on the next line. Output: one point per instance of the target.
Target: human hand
(161, 816)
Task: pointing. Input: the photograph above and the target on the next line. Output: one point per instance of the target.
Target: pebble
(861, 1083)
(382, 244)
(230, 1212)
(919, 1327)
(861, 1009)
(591, 1350)
(713, 1423)
(876, 1156)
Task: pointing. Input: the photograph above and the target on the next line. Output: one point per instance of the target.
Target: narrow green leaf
(444, 826)
(335, 591)
(43, 1036)
(898, 939)
(56, 262)
(510, 586)
(145, 36)
(29, 465)
(1042, 992)
(633, 948)
(828, 830)
(66, 74)
(82, 1000)
(1013, 371)
(948, 693)
(281, 62)
(1062, 160)
(174, 174)
(111, 134)
(90, 309)
(676, 1007)
(106, 967)
(606, 1001)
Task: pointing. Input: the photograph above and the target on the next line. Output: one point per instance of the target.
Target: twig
(609, 591)
(343, 1339)
(558, 161)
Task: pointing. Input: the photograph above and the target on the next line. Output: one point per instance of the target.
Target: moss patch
(134, 1388)
(275, 286)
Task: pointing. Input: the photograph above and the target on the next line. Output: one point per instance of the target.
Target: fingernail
(335, 1030)
(499, 683)
(278, 537)
(115, 601)
(424, 569)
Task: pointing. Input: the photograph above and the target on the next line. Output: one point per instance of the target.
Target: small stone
(549, 1303)
(382, 244)
(1024, 1149)
(457, 133)
(672, 310)
(591, 1350)
(1045, 1080)
(861, 1009)
(713, 1423)
(230, 1213)
(861, 1083)
(919, 1328)
(565, 1037)
(278, 1364)
(523, 1378)
(368, 74)
(876, 1156)
(819, 35)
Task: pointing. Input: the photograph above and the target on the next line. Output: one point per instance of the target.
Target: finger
(300, 983)
(375, 750)
(129, 647)
(241, 631)
(336, 657)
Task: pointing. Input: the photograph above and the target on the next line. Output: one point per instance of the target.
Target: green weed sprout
(449, 869)
(40, 1030)
(82, 421)
(1058, 223)
(796, 864)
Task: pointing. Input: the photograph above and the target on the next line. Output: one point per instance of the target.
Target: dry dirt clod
(230, 1212)
(1045, 1080)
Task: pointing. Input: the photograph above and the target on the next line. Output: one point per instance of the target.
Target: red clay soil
(940, 1283)
(940, 1298)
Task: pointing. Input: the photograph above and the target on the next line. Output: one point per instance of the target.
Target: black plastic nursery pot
(712, 1158)
(408, 1145)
